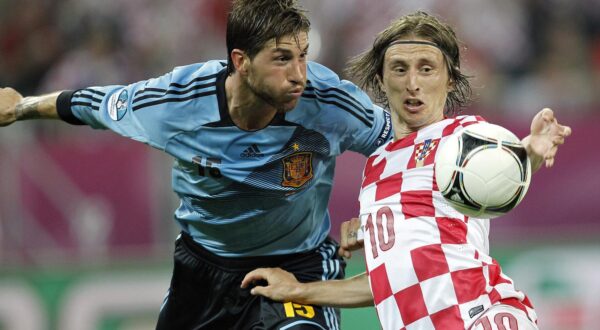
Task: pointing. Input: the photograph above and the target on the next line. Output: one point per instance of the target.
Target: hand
(546, 135)
(350, 237)
(281, 285)
(9, 98)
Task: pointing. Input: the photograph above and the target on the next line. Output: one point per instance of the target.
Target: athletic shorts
(503, 317)
(205, 290)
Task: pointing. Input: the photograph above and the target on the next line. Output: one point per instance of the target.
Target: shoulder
(320, 73)
(322, 78)
(449, 126)
(207, 70)
(325, 91)
(464, 119)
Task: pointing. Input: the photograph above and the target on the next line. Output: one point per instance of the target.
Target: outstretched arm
(546, 135)
(283, 286)
(13, 106)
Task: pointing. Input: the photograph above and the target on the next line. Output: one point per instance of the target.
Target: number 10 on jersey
(379, 226)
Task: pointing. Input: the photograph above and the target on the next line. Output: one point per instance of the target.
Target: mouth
(296, 92)
(413, 104)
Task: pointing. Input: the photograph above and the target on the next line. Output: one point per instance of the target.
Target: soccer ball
(483, 171)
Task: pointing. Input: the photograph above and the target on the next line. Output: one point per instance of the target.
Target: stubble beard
(261, 93)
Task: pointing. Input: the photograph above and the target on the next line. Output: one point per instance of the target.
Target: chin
(289, 106)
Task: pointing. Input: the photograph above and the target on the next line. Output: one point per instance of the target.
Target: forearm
(37, 107)
(348, 293)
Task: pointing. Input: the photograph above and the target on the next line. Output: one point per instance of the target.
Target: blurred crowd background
(79, 206)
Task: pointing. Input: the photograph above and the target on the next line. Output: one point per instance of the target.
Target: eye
(399, 69)
(426, 69)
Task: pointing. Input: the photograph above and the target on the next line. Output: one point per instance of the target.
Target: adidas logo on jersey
(252, 152)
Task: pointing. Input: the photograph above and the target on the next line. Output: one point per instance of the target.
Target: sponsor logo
(117, 105)
(252, 152)
(475, 310)
(297, 169)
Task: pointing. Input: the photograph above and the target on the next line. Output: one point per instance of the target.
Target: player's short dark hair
(253, 23)
(367, 68)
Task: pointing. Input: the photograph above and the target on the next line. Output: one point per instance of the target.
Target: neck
(246, 109)
(402, 129)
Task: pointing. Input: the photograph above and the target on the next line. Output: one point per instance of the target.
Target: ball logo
(118, 105)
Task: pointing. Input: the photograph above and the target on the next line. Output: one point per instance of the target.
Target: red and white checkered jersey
(428, 264)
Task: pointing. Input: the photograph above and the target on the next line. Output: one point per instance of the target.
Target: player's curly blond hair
(367, 68)
(253, 23)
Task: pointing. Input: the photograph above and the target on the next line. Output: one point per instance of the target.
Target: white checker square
(401, 273)
(389, 314)
(420, 178)
(460, 256)
(423, 323)
(439, 293)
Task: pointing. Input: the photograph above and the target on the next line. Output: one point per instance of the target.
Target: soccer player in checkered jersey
(428, 266)
(255, 140)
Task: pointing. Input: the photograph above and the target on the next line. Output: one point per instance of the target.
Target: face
(416, 82)
(277, 74)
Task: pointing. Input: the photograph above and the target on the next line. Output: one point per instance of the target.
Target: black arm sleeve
(63, 107)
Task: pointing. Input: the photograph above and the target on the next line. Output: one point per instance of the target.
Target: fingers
(260, 291)
(344, 253)
(255, 275)
(344, 235)
(547, 114)
(349, 239)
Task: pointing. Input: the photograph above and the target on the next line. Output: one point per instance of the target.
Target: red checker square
(452, 231)
(494, 296)
(380, 284)
(429, 261)
(514, 302)
(411, 304)
(372, 172)
(527, 302)
(417, 203)
(404, 142)
(388, 186)
(448, 318)
(496, 274)
(469, 284)
(448, 130)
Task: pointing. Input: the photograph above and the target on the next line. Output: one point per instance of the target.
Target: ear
(380, 83)
(239, 60)
(451, 85)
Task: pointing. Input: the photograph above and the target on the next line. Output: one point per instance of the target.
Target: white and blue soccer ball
(483, 171)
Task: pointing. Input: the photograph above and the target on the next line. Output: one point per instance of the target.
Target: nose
(412, 85)
(297, 73)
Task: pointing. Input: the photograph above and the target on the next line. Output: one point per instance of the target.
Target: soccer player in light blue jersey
(254, 140)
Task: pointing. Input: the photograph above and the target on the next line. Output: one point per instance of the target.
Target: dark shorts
(205, 291)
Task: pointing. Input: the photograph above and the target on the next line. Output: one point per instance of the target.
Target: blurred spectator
(522, 51)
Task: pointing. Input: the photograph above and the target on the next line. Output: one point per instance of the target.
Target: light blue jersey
(242, 193)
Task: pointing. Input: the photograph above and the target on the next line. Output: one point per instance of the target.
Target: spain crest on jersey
(297, 169)
(422, 153)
